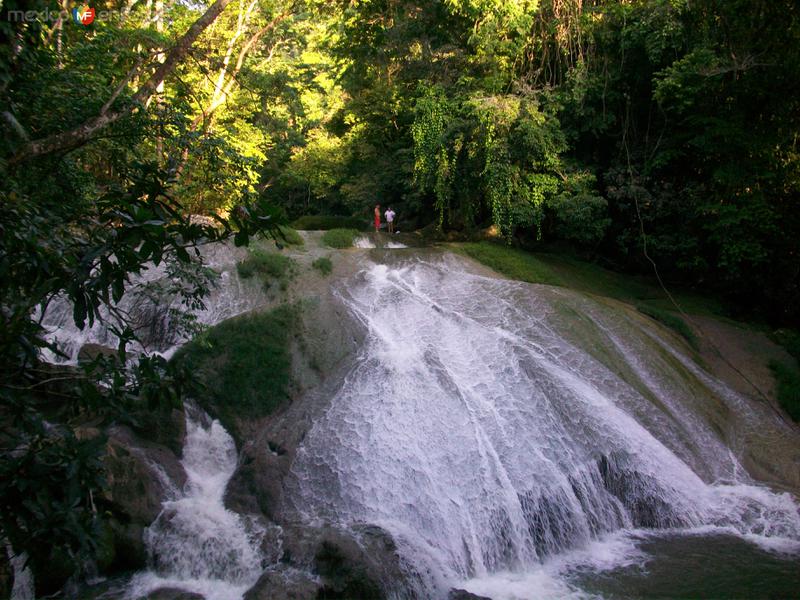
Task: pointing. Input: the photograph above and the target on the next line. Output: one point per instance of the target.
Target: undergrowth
(339, 238)
(323, 264)
(268, 266)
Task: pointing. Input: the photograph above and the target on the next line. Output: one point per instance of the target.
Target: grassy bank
(243, 365)
(558, 270)
(511, 262)
(562, 271)
(671, 320)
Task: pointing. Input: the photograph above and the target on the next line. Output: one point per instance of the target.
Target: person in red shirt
(377, 217)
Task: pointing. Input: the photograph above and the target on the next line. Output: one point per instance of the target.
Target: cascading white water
(154, 321)
(363, 241)
(486, 443)
(196, 543)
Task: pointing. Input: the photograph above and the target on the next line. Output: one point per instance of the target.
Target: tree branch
(69, 140)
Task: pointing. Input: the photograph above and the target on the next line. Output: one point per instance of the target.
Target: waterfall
(483, 427)
(155, 309)
(196, 543)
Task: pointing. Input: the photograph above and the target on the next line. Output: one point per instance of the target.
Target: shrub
(582, 218)
(290, 236)
(672, 321)
(325, 222)
(323, 264)
(339, 238)
(269, 266)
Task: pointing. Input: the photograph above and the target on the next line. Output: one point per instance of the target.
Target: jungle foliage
(627, 130)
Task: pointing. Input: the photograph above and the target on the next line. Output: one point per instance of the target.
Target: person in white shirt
(390, 219)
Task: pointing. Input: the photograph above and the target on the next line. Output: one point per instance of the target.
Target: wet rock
(257, 484)
(141, 475)
(90, 352)
(456, 594)
(359, 562)
(168, 593)
(345, 572)
(165, 427)
(284, 583)
(130, 552)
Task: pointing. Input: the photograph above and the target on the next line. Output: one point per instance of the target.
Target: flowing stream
(514, 438)
(196, 543)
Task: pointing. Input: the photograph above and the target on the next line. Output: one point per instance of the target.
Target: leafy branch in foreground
(88, 254)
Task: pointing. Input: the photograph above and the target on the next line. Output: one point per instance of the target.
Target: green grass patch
(565, 271)
(325, 222)
(268, 266)
(243, 365)
(672, 321)
(323, 264)
(788, 380)
(511, 262)
(290, 236)
(339, 238)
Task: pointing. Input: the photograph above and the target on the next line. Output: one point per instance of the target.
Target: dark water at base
(699, 566)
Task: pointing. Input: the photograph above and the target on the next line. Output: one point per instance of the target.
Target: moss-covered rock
(244, 367)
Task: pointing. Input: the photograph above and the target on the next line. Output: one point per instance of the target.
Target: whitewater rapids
(497, 428)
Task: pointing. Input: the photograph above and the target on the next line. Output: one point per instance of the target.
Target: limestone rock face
(172, 594)
(140, 476)
(464, 595)
(284, 583)
(361, 561)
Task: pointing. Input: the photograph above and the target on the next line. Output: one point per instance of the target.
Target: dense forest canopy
(560, 120)
(632, 131)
